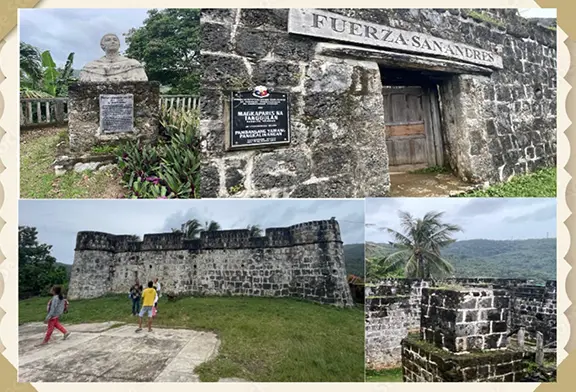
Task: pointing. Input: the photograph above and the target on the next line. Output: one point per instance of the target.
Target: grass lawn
(37, 177)
(262, 339)
(384, 375)
(538, 184)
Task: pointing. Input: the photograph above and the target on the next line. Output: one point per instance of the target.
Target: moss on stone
(482, 17)
(415, 340)
(104, 149)
(235, 189)
(450, 287)
(237, 83)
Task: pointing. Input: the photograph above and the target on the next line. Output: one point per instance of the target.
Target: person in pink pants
(56, 307)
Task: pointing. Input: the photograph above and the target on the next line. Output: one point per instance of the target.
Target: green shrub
(170, 168)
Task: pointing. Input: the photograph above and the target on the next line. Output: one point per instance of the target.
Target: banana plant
(50, 73)
(65, 76)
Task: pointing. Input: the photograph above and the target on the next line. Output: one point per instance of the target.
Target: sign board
(116, 113)
(332, 26)
(258, 120)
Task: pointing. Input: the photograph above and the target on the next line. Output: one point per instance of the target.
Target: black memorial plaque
(116, 113)
(259, 121)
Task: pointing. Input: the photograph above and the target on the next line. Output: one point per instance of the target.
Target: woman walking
(56, 307)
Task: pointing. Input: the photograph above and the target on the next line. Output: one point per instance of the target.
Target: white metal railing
(186, 102)
(53, 111)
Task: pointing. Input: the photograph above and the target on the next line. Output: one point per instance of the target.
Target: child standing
(56, 307)
(155, 308)
(158, 292)
(135, 296)
(148, 297)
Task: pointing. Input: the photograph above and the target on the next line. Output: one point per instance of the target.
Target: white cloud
(537, 12)
(58, 221)
(486, 218)
(66, 30)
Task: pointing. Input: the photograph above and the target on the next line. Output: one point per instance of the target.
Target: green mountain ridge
(67, 267)
(521, 259)
(354, 259)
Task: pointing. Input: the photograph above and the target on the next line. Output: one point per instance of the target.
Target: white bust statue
(112, 67)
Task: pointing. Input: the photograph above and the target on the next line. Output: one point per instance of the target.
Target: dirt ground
(426, 185)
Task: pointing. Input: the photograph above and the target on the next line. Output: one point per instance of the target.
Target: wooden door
(412, 128)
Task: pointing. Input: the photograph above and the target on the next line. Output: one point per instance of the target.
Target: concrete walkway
(113, 352)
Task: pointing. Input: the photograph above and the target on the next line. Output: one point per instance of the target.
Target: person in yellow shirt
(148, 297)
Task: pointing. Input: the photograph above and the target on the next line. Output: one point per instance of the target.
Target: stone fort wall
(496, 122)
(303, 261)
(393, 311)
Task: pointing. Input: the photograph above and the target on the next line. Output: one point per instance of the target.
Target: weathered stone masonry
(495, 123)
(422, 362)
(303, 261)
(84, 117)
(393, 311)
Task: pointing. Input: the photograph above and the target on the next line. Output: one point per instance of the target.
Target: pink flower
(154, 180)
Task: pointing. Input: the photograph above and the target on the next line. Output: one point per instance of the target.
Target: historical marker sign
(324, 24)
(259, 118)
(116, 113)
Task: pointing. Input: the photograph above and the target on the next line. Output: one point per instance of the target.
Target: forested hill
(67, 267)
(354, 259)
(528, 259)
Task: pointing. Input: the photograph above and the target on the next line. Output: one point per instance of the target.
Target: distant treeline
(522, 259)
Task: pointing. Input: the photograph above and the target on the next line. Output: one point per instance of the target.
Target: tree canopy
(417, 249)
(168, 44)
(37, 268)
(533, 259)
(40, 77)
(255, 230)
(192, 228)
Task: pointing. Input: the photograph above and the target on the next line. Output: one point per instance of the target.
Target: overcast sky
(490, 218)
(66, 30)
(537, 12)
(58, 221)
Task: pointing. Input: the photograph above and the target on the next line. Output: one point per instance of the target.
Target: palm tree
(418, 248)
(255, 230)
(39, 76)
(212, 226)
(31, 71)
(191, 228)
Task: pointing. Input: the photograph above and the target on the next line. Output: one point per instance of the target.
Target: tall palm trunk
(421, 274)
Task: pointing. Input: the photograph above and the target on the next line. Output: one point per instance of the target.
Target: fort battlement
(277, 237)
(304, 261)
